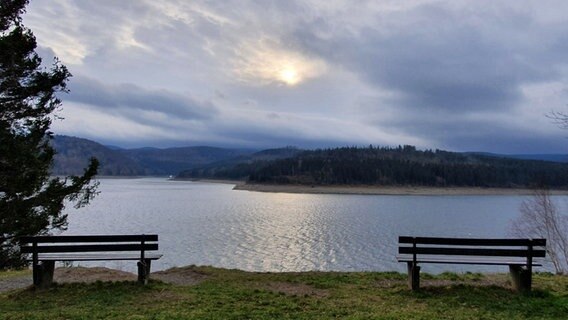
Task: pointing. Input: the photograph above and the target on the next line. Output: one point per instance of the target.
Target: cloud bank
(458, 75)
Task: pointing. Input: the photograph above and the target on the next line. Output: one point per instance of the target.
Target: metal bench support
(44, 274)
(521, 278)
(413, 276)
(144, 271)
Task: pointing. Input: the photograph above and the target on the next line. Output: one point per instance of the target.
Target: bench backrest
(472, 247)
(90, 243)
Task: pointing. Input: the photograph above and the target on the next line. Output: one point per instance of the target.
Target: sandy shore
(388, 190)
(375, 190)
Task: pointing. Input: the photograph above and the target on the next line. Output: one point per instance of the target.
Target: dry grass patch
(90, 275)
(186, 276)
(296, 289)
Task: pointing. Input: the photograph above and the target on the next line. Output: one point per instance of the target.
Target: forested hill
(341, 166)
(73, 154)
(239, 168)
(403, 166)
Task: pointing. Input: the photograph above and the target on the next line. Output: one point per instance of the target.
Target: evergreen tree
(31, 201)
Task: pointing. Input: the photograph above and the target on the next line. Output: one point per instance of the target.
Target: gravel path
(15, 283)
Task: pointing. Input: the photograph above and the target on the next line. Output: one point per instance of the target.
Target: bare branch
(540, 218)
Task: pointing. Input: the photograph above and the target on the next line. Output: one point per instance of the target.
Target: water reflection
(210, 224)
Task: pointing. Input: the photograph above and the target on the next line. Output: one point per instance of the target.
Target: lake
(211, 224)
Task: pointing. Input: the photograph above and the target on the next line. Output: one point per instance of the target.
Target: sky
(453, 75)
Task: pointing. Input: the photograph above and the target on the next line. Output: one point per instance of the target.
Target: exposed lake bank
(388, 190)
(375, 190)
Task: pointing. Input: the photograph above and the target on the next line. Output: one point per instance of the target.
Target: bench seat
(95, 257)
(493, 261)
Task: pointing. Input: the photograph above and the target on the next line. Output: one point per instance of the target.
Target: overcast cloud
(456, 75)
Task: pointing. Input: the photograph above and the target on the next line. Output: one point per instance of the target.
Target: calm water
(210, 224)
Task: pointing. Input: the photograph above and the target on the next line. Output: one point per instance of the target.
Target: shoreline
(389, 190)
(220, 181)
(241, 185)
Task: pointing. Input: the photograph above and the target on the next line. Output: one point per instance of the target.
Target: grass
(233, 294)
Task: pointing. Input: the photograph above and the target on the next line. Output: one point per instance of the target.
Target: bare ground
(89, 275)
(178, 276)
(188, 276)
(184, 276)
(15, 283)
(296, 289)
(387, 190)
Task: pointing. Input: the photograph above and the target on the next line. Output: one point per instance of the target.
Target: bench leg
(144, 271)
(522, 278)
(413, 276)
(43, 274)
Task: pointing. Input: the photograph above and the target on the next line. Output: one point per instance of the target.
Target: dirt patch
(89, 275)
(178, 276)
(296, 289)
(476, 283)
(185, 276)
(389, 283)
(486, 280)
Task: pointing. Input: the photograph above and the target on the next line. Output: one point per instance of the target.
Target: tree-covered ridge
(240, 168)
(73, 153)
(403, 165)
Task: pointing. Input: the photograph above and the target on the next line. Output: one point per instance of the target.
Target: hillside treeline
(240, 168)
(403, 165)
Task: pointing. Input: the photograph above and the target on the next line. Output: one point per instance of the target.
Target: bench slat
(95, 257)
(471, 252)
(90, 248)
(468, 260)
(471, 241)
(90, 238)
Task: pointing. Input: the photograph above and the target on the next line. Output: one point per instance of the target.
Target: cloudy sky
(454, 75)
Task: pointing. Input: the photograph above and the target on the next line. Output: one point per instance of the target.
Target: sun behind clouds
(290, 76)
(265, 62)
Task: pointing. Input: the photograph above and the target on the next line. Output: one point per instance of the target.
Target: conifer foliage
(31, 201)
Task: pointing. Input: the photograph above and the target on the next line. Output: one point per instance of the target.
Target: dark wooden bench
(45, 250)
(518, 254)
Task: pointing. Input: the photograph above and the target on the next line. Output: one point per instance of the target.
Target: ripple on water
(210, 224)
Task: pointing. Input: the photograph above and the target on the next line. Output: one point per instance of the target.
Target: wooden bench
(518, 254)
(45, 250)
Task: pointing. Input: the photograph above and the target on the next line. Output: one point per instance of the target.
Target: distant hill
(173, 160)
(74, 153)
(404, 165)
(239, 168)
(357, 166)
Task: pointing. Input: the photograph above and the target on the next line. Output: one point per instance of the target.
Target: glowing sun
(265, 62)
(289, 76)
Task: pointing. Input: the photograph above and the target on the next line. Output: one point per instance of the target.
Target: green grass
(233, 294)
